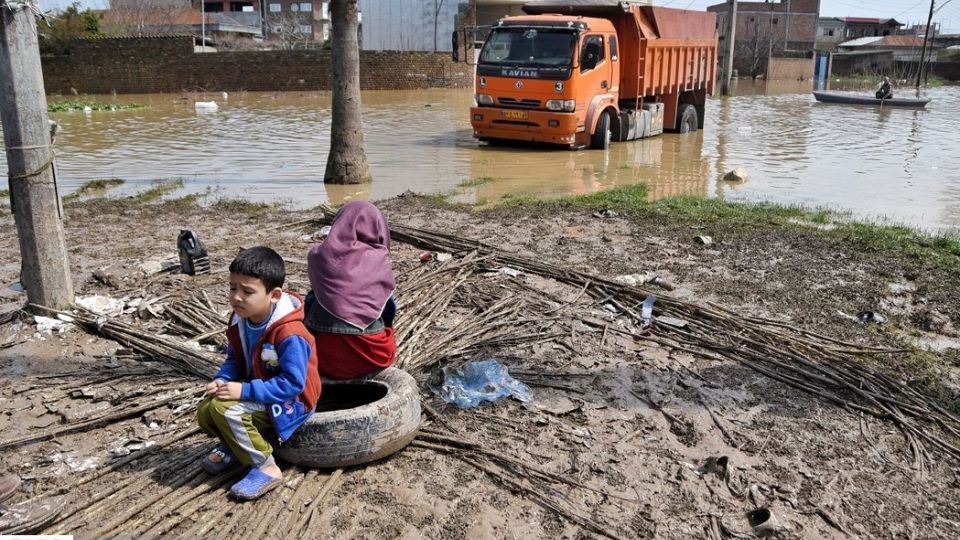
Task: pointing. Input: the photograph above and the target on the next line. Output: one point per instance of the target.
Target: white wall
(407, 25)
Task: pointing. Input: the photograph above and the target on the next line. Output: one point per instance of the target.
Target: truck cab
(582, 77)
(537, 78)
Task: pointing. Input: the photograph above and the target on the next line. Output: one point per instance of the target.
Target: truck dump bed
(663, 51)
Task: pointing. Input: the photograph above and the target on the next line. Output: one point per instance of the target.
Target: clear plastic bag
(486, 380)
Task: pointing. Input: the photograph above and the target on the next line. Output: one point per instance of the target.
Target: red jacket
(286, 322)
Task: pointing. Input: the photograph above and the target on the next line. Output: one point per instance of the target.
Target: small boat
(854, 99)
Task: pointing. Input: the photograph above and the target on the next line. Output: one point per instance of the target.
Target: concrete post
(731, 40)
(26, 133)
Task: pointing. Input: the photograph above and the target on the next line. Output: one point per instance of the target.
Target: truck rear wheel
(600, 140)
(688, 118)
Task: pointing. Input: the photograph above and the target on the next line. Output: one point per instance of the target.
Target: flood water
(899, 165)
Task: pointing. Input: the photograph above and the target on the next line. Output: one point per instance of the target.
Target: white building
(425, 25)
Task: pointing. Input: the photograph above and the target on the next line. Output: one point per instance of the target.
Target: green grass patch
(158, 191)
(243, 206)
(71, 105)
(720, 215)
(474, 182)
(4, 193)
(187, 201)
(93, 187)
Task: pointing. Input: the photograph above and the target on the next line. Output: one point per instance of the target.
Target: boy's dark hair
(262, 263)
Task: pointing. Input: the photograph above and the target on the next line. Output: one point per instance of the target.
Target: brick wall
(168, 64)
(790, 69)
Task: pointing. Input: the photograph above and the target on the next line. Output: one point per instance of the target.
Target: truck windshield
(529, 47)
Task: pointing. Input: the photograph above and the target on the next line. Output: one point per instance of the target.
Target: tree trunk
(347, 162)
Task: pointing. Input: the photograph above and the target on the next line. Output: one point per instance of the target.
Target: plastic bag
(486, 380)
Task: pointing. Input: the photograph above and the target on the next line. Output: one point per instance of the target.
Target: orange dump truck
(583, 73)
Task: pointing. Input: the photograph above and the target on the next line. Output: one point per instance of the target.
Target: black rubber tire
(346, 437)
(600, 140)
(688, 119)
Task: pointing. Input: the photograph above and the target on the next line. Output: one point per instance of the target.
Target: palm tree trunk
(347, 162)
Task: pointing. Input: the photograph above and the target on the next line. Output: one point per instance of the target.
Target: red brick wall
(168, 64)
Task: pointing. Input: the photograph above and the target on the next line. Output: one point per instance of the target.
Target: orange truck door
(595, 74)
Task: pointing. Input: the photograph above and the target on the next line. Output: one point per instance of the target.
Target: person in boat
(883, 90)
(351, 308)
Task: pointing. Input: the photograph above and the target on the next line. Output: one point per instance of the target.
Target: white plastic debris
(87, 110)
(76, 465)
(206, 105)
(443, 257)
(633, 279)
(131, 446)
(46, 325)
(101, 305)
(506, 270)
(17, 287)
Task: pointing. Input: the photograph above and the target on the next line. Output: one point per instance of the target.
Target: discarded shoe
(29, 516)
(8, 486)
(226, 461)
(605, 213)
(254, 485)
(763, 522)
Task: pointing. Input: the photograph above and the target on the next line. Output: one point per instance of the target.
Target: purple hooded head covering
(350, 271)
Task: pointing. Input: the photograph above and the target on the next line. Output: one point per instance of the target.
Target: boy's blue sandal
(254, 485)
(227, 461)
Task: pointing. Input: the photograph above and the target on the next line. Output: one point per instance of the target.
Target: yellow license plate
(514, 115)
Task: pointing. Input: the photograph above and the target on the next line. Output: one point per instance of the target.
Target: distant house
(768, 29)
(854, 27)
(900, 48)
(293, 20)
(138, 21)
(829, 32)
(920, 30)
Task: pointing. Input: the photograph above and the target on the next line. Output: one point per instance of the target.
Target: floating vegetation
(93, 187)
(66, 106)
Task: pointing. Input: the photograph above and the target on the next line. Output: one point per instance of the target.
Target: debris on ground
(472, 383)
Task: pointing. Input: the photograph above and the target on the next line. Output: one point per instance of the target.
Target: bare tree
(139, 17)
(286, 30)
(757, 46)
(347, 161)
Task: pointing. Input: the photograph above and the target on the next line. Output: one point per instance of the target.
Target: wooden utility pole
(45, 271)
(923, 51)
(728, 58)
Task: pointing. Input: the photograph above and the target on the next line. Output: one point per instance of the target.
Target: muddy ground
(641, 471)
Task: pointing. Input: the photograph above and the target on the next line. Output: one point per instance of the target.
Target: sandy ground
(633, 427)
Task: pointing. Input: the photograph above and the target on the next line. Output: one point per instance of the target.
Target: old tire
(600, 140)
(357, 421)
(688, 119)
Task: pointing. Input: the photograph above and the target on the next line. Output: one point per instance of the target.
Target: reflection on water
(267, 146)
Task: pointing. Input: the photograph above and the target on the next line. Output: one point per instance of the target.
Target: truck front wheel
(688, 118)
(600, 140)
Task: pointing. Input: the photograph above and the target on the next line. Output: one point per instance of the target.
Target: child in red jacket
(268, 384)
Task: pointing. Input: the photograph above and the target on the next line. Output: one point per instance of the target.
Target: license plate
(514, 115)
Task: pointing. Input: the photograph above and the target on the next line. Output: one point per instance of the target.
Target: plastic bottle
(647, 312)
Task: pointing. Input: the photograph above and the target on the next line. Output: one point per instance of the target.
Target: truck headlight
(566, 105)
(484, 99)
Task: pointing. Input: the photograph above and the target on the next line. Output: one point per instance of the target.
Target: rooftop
(870, 20)
(886, 41)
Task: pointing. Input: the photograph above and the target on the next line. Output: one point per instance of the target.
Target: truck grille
(519, 103)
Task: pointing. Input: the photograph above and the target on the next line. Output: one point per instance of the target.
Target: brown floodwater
(898, 165)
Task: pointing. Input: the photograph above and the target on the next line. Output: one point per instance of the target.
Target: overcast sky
(906, 11)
